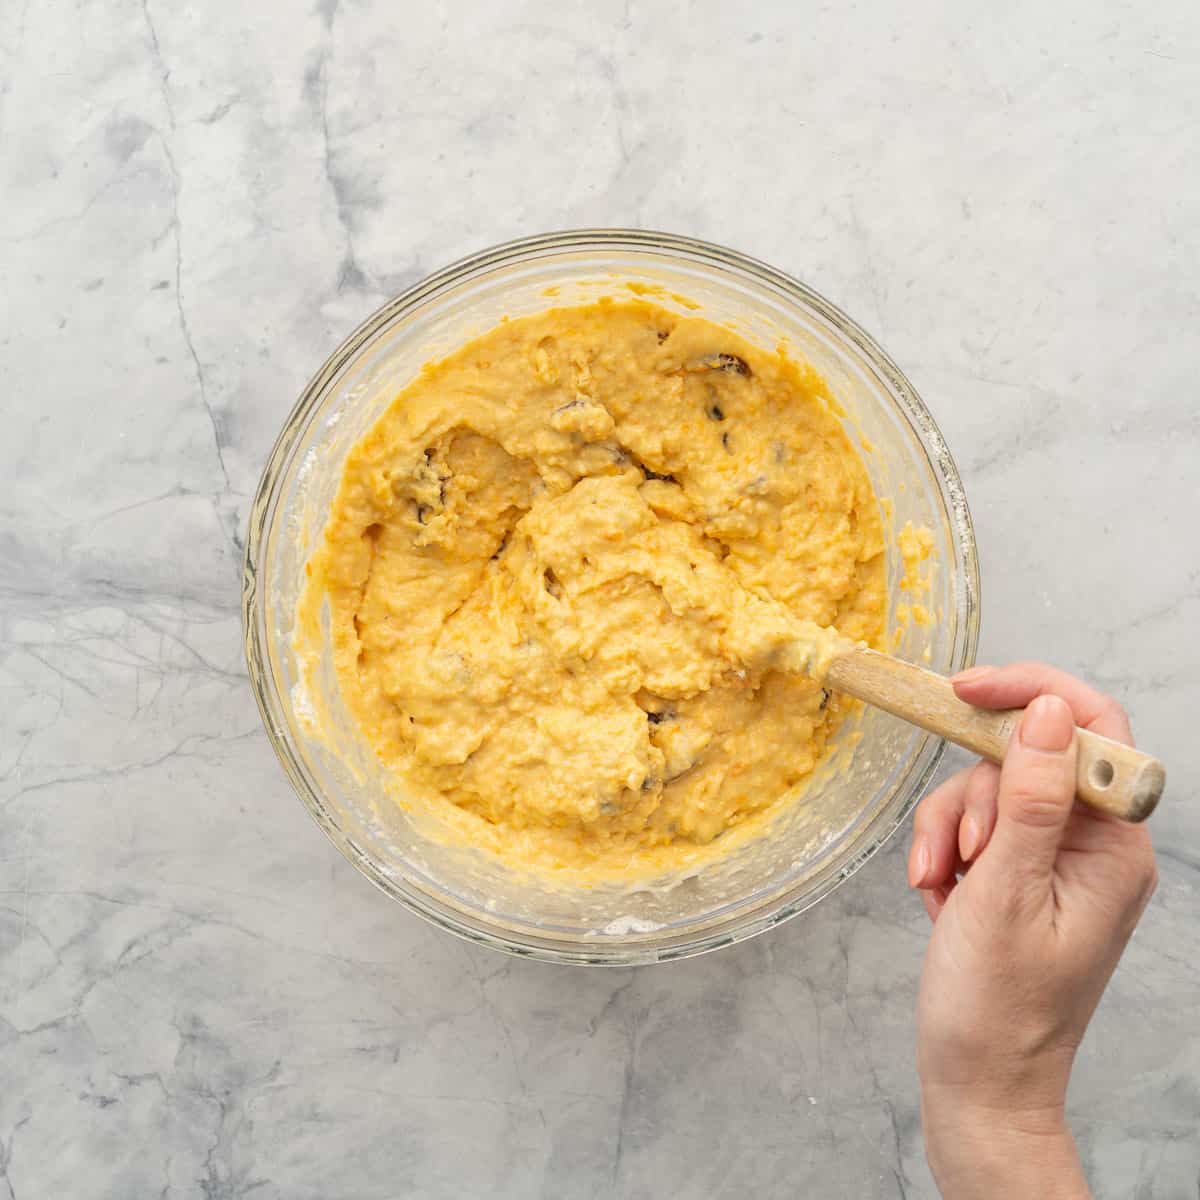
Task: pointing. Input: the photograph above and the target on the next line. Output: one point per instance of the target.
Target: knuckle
(983, 777)
(1148, 879)
(1139, 879)
(924, 818)
(1113, 710)
(1033, 803)
(981, 793)
(937, 808)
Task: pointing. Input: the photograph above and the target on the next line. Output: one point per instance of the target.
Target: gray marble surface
(198, 997)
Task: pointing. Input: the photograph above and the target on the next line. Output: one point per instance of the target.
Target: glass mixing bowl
(843, 816)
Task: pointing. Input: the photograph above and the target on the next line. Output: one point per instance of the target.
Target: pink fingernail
(919, 862)
(1047, 725)
(972, 835)
(971, 674)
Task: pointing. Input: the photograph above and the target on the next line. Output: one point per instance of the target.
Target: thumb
(1037, 791)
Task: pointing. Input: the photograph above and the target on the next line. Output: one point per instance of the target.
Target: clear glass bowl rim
(610, 951)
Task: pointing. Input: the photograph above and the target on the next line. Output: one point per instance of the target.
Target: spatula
(1110, 776)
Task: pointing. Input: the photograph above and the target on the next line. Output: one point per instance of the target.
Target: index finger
(1016, 685)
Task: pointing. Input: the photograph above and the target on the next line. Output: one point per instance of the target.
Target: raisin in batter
(560, 570)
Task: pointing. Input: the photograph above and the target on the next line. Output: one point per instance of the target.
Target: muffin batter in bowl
(563, 574)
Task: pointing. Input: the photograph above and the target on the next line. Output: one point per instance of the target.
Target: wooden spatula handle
(1111, 776)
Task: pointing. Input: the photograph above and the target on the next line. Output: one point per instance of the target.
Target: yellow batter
(566, 571)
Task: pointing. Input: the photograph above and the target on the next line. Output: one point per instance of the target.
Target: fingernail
(971, 674)
(1047, 725)
(918, 866)
(972, 835)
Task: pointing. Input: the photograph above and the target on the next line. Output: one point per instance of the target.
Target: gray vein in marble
(176, 228)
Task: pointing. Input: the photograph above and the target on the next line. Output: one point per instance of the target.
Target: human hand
(1024, 942)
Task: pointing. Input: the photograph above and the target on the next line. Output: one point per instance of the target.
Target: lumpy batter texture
(562, 571)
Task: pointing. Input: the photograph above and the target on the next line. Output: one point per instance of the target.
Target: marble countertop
(198, 996)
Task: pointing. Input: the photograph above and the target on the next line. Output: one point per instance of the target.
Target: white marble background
(198, 997)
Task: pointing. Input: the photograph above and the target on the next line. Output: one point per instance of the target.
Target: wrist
(980, 1153)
